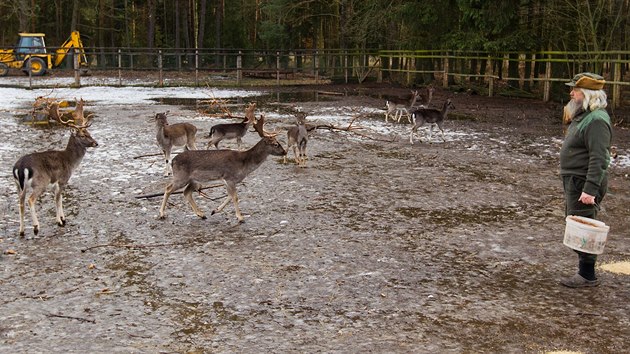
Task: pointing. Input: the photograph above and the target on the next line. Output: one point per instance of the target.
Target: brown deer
(36, 171)
(168, 136)
(431, 116)
(297, 137)
(191, 168)
(232, 130)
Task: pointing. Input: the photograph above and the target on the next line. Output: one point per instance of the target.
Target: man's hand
(587, 199)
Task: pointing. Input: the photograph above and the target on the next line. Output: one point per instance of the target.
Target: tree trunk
(75, 15)
(150, 23)
(202, 23)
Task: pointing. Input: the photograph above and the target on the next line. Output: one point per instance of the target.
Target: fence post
(491, 86)
(119, 68)
(29, 66)
(345, 65)
(278, 68)
(316, 66)
(196, 67)
(616, 89)
(547, 85)
(239, 72)
(445, 67)
(161, 81)
(408, 68)
(77, 76)
(379, 73)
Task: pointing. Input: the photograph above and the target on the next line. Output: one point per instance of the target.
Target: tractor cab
(30, 43)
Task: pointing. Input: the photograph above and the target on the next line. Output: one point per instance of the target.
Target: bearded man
(584, 161)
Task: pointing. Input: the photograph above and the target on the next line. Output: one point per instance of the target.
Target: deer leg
(231, 189)
(190, 188)
(21, 199)
(167, 192)
(442, 130)
(303, 154)
(414, 130)
(296, 154)
(31, 205)
(430, 132)
(61, 219)
(238, 143)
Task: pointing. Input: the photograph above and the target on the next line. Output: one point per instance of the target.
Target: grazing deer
(421, 100)
(431, 116)
(191, 168)
(232, 130)
(297, 137)
(168, 136)
(36, 171)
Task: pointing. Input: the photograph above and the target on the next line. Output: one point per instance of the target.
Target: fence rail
(536, 74)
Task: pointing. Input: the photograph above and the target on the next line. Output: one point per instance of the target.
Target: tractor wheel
(38, 67)
(4, 69)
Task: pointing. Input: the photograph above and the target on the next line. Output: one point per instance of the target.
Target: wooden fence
(539, 74)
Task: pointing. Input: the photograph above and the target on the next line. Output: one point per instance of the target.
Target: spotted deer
(173, 135)
(397, 109)
(36, 171)
(191, 168)
(232, 130)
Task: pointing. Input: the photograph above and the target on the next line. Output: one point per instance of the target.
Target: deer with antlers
(191, 168)
(168, 136)
(232, 130)
(35, 171)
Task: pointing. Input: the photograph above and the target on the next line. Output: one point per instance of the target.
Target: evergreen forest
(584, 26)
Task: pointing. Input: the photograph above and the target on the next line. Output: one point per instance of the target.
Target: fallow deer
(192, 168)
(232, 130)
(37, 170)
(431, 116)
(397, 109)
(297, 137)
(168, 136)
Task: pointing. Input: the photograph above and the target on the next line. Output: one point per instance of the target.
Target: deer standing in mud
(232, 130)
(191, 168)
(431, 116)
(36, 171)
(297, 137)
(168, 136)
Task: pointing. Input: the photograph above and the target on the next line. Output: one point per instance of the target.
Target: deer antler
(53, 112)
(249, 112)
(78, 114)
(259, 127)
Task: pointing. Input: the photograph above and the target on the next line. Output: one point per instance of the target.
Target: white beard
(572, 109)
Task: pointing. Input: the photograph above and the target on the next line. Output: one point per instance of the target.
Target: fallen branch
(71, 317)
(148, 155)
(147, 196)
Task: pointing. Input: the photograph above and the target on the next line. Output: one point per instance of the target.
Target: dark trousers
(573, 186)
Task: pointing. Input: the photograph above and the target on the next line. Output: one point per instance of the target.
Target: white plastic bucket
(585, 234)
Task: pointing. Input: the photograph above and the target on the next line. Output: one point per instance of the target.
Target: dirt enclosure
(376, 246)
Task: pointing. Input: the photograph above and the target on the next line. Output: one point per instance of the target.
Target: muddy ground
(376, 246)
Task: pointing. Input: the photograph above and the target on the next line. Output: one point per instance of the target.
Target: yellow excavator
(30, 54)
